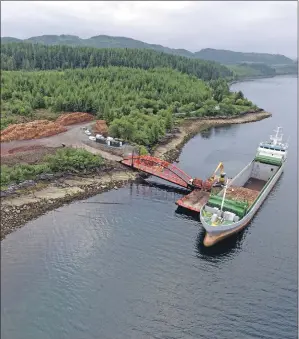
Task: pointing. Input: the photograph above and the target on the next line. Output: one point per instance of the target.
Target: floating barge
(194, 201)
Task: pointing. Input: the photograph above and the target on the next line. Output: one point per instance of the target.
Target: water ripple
(128, 264)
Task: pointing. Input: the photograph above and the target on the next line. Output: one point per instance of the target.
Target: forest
(139, 105)
(227, 57)
(99, 41)
(28, 56)
(247, 70)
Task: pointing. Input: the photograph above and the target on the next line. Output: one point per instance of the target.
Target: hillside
(27, 56)
(247, 70)
(137, 104)
(105, 41)
(100, 41)
(287, 69)
(230, 57)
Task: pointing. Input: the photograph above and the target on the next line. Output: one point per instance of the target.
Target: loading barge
(194, 201)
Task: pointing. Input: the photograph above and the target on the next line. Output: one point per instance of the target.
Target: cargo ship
(231, 208)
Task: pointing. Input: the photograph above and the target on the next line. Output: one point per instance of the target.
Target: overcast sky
(249, 26)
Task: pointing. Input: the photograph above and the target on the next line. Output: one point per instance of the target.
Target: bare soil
(27, 155)
(73, 137)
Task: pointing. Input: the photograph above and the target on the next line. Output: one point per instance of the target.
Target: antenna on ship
(275, 139)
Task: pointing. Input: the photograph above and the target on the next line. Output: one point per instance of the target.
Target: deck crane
(214, 177)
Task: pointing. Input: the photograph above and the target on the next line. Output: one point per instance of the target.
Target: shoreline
(259, 77)
(190, 127)
(31, 203)
(244, 79)
(17, 210)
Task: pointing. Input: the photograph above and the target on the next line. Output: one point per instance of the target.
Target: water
(138, 269)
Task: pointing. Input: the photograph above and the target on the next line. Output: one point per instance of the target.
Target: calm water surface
(137, 269)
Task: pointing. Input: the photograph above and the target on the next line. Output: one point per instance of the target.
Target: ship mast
(275, 139)
(224, 193)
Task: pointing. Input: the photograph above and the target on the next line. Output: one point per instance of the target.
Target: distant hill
(229, 57)
(38, 56)
(100, 41)
(243, 65)
(8, 39)
(105, 41)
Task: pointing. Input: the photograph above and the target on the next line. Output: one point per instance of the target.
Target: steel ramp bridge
(159, 168)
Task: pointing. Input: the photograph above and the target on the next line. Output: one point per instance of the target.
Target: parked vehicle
(87, 132)
(101, 141)
(92, 138)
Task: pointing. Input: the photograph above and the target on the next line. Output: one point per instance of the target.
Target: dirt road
(73, 137)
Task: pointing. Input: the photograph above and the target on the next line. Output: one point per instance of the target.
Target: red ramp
(159, 168)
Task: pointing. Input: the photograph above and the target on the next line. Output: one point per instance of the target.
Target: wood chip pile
(101, 127)
(74, 118)
(31, 130)
(43, 128)
(241, 194)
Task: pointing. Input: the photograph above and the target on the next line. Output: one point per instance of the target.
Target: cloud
(257, 26)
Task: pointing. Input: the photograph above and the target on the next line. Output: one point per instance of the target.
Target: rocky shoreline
(190, 127)
(18, 209)
(33, 200)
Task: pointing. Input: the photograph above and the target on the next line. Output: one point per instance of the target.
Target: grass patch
(67, 159)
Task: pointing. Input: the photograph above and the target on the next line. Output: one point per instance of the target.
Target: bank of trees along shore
(139, 105)
(28, 56)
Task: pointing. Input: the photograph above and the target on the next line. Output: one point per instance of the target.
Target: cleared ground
(73, 137)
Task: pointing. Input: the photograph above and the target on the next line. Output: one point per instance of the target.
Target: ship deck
(255, 184)
(197, 198)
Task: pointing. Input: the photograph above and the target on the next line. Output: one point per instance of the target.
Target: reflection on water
(220, 129)
(226, 248)
(164, 187)
(156, 192)
(207, 133)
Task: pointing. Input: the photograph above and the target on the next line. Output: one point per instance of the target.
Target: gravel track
(73, 137)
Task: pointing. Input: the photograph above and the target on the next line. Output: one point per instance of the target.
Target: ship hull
(214, 234)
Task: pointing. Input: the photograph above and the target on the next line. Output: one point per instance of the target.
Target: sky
(246, 26)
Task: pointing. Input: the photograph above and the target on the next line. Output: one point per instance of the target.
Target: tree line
(29, 56)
